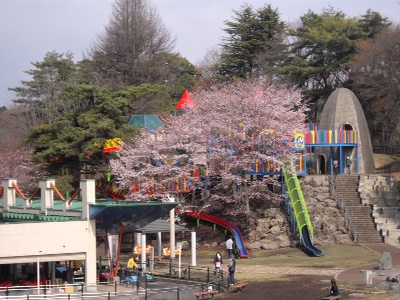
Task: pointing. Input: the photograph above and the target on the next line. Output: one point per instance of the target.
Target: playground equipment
(237, 235)
(167, 251)
(300, 210)
(138, 249)
(185, 103)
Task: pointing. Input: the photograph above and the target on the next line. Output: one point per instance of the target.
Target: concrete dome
(343, 111)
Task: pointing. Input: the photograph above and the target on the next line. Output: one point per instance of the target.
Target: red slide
(226, 224)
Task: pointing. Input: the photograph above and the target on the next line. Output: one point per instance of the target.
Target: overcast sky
(30, 28)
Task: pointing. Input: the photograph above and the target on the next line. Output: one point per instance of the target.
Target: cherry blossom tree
(15, 155)
(227, 131)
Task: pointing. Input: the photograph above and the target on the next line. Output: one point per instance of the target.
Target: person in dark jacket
(218, 264)
(334, 288)
(348, 164)
(231, 269)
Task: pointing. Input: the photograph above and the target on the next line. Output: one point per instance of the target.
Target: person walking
(231, 269)
(229, 247)
(348, 164)
(218, 264)
(335, 167)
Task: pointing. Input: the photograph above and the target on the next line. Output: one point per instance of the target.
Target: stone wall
(274, 230)
(326, 217)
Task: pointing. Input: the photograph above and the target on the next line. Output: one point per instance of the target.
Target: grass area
(334, 257)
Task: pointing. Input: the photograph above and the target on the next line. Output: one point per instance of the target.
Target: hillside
(387, 164)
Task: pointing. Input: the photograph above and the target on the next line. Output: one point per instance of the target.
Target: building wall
(50, 241)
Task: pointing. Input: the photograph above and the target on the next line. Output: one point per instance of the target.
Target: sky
(31, 28)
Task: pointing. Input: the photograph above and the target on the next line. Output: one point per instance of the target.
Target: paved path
(356, 275)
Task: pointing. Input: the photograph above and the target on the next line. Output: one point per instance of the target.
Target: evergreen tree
(252, 33)
(74, 144)
(41, 97)
(324, 44)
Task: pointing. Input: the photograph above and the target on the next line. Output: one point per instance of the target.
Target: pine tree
(252, 33)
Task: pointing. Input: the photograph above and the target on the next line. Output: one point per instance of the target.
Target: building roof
(149, 122)
(108, 214)
(159, 226)
(186, 102)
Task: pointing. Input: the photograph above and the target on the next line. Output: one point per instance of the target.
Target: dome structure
(343, 111)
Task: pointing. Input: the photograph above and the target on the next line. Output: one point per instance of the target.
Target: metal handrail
(343, 206)
(350, 224)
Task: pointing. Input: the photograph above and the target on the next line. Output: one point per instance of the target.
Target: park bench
(205, 293)
(238, 286)
(332, 297)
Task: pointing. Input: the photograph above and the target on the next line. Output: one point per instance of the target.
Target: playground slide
(300, 210)
(237, 235)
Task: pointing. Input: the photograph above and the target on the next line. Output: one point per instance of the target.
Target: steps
(360, 216)
(379, 192)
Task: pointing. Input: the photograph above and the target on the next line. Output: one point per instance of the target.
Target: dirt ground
(293, 287)
(387, 164)
(289, 273)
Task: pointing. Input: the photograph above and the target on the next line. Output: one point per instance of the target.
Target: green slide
(300, 209)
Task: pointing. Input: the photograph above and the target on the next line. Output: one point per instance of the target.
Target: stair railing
(349, 223)
(343, 206)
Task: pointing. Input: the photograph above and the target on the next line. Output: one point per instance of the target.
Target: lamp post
(38, 272)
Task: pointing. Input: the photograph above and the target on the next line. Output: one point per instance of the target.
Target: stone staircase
(379, 192)
(361, 220)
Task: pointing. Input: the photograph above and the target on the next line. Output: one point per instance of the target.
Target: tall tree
(376, 79)
(41, 96)
(74, 143)
(323, 46)
(373, 22)
(252, 33)
(243, 126)
(132, 49)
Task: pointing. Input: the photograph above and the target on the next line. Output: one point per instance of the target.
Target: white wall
(22, 242)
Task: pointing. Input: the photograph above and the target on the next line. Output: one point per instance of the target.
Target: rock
(357, 295)
(385, 262)
(284, 244)
(255, 245)
(269, 246)
(213, 245)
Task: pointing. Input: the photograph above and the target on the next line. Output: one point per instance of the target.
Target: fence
(386, 150)
(167, 286)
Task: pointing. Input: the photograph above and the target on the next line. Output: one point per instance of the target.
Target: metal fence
(172, 282)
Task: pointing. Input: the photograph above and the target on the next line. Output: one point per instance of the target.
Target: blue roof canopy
(150, 122)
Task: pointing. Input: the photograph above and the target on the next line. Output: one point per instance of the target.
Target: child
(334, 289)
(218, 264)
